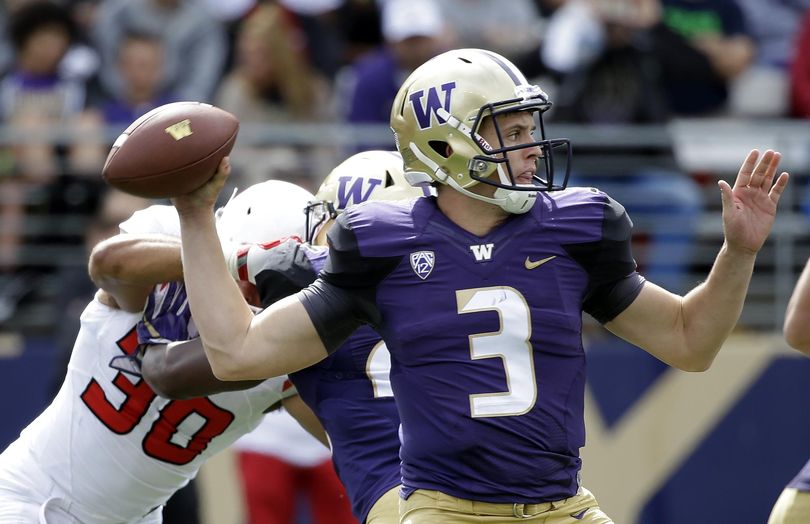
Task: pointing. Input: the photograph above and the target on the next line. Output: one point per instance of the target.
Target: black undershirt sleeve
(613, 282)
(344, 296)
(334, 312)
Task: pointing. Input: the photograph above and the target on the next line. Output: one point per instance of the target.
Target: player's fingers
(768, 160)
(747, 168)
(221, 174)
(726, 194)
(224, 168)
(779, 187)
(770, 170)
(225, 165)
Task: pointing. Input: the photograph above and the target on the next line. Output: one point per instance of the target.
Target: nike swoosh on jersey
(580, 515)
(531, 265)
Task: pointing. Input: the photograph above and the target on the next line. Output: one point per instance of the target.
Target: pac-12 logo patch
(426, 109)
(422, 263)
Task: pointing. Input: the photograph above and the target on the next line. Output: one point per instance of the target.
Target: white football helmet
(438, 112)
(370, 175)
(262, 213)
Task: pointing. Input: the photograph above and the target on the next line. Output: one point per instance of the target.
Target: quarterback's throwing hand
(749, 208)
(204, 198)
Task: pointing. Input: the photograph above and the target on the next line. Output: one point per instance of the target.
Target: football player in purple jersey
(793, 504)
(349, 391)
(479, 293)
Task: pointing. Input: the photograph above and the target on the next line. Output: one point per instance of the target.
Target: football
(171, 150)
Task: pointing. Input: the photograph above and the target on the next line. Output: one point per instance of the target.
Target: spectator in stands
(272, 79)
(284, 469)
(699, 46)
(414, 31)
(774, 25)
(605, 64)
(620, 84)
(273, 82)
(141, 68)
(320, 21)
(576, 31)
(800, 89)
(35, 94)
(37, 98)
(702, 45)
(230, 14)
(359, 26)
(800, 71)
(480, 24)
(195, 44)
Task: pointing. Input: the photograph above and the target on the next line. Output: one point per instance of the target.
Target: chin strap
(514, 202)
(511, 201)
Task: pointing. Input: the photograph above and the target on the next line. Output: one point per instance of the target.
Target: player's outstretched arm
(687, 332)
(180, 370)
(797, 316)
(127, 266)
(238, 345)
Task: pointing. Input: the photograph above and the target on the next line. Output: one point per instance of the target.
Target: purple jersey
(802, 480)
(349, 391)
(484, 333)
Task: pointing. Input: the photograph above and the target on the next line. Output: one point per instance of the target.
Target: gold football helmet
(370, 175)
(438, 112)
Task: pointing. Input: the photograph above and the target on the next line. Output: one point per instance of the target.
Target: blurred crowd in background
(74, 73)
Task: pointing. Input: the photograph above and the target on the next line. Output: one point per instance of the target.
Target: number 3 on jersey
(511, 344)
(157, 442)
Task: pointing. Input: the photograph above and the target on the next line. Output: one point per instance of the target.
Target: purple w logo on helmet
(353, 194)
(425, 110)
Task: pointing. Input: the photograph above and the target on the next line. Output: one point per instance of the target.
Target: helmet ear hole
(440, 147)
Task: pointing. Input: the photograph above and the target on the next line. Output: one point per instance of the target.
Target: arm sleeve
(613, 282)
(335, 312)
(344, 296)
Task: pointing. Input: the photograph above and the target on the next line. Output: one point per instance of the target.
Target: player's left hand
(749, 208)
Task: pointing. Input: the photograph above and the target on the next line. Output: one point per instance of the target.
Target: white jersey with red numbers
(108, 449)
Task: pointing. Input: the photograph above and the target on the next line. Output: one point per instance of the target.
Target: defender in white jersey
(109, 449)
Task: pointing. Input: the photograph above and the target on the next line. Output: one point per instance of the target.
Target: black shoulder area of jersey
(286, 270)
(613, 282)
(347, 266)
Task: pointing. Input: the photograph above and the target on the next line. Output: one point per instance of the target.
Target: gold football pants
(432, 507)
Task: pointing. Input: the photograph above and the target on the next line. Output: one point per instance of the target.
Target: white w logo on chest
(482, 252)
